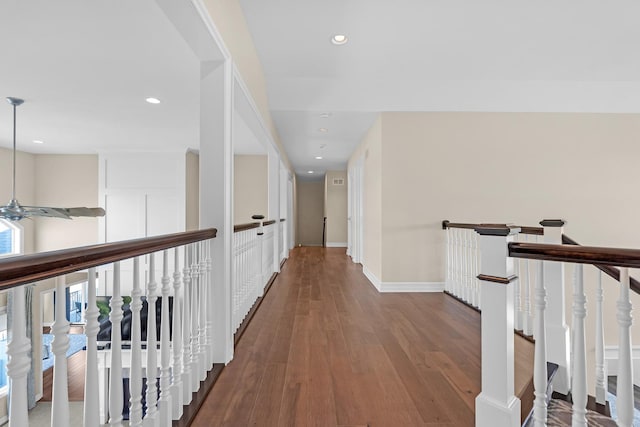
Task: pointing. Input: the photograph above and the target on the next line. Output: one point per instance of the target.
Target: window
(10, 238)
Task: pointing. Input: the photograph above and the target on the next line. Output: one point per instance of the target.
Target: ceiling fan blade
(82, 211)
(66, 213)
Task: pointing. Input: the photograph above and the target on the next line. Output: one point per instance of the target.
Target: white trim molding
(611, 362)
(336, 244)
(384, 287)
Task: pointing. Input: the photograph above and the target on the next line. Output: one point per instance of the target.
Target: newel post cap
(445, 224)
(553, 222)
(497, 229)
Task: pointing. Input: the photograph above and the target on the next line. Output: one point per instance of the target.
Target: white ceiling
(427, 55)
(84, 68)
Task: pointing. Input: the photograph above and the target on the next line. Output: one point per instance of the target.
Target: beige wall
(66, 181)
(232, 25)
(250, 187)
(192, 192)
(335, 208)
(497, 167)
(25, 188)
(503, 167)
(310, 199)
(371, 151)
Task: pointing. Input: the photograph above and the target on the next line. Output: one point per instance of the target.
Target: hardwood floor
(326, 349)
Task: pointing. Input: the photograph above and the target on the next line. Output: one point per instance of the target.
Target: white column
(164, 403)
(601, 383)
(91, 416)
(579, 373)
(624, 386)
(19, 352)
(558, 341)
(496, 405)
(151, 417)
(135, 371)
(540, 358)
(176, 340)
(216, 202)
(116, 401)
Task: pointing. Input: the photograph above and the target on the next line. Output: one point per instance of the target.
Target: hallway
(326, 349)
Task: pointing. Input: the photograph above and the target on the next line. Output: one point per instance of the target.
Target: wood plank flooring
(326, 349)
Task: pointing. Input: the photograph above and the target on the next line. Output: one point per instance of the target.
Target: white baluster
(202, 312)
(164, 403)
(579, 351)
(116, 401)
(209, 302)
(478, 263)
(465, 265)
(447, 282)
(195, 345)
(517, 303)
(176, 340)
(459, 264)
(151, 417)
(540, 359)
(60, 345)
(19, 353)
(91, 416)
(475, 283)
(527, 326)
(187, 387)
(625, 367)
(135, 372)
(601, 391)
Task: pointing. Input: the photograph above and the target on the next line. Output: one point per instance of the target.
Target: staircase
(516, 277)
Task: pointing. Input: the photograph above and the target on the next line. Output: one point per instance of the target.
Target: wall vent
(338, 181)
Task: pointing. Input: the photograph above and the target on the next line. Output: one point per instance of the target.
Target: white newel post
(558, 336)
(496, 405)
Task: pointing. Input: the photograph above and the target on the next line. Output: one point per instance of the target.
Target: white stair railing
(107, 366)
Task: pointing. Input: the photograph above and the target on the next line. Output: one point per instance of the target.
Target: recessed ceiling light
(318, 157)
(153, 100)
(322, 146)
(323, 130)
(325, 115)
(309, 171)
(37, 141)
(339, 39)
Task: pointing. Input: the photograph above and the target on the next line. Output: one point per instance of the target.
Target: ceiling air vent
(338, 181)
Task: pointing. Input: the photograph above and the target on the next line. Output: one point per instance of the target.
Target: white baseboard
(611, 361)
(336, 244)
(384, 287)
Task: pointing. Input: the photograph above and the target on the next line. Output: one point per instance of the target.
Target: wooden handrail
(610, 271)
(538, 231)
(273, 221)
(25, 269)
(243, 227)
(598, 256)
